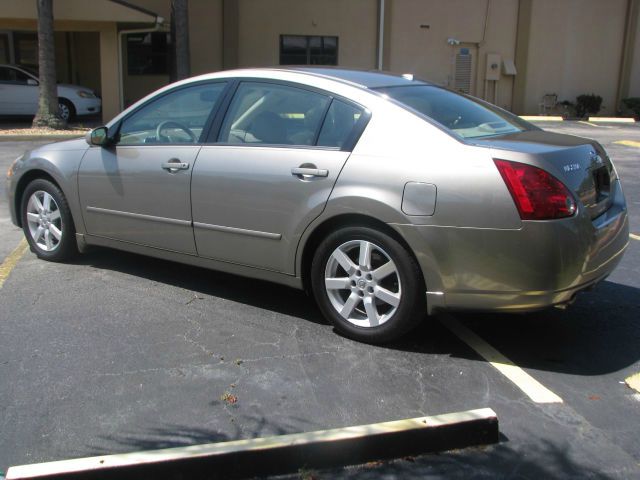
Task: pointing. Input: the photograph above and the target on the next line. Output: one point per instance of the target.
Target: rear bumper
(544, 263)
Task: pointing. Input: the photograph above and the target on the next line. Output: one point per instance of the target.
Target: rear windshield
(460, 114)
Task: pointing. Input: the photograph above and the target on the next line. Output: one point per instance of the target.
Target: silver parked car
(385, 196)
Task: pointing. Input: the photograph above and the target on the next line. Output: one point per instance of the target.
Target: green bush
(588, 105)
(633, 104)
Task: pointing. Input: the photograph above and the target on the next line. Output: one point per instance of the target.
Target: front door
(138, 190)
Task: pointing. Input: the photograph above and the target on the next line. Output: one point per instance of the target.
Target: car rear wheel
(368, 285)
(47, 222)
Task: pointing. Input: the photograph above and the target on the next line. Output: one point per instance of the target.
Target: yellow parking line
(12, 260)
(525, 382)
(634, 236)
(633, 382)
(628, 143)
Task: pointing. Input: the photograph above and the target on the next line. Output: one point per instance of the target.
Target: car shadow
(597, 335)
(256, 293)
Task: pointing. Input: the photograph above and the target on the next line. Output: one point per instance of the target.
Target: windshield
(460, 114)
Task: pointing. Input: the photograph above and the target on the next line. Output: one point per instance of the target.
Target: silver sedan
(387, 198)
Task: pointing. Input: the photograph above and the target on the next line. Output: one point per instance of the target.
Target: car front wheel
(368, 285)
(66, 109)
(47, 222)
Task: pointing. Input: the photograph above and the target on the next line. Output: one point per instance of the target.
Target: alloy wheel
(44, 221)
(362, 283)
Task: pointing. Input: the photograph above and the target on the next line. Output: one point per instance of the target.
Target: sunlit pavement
(117, 353)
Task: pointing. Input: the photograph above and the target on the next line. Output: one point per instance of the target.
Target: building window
(148, 53)
(308, 50)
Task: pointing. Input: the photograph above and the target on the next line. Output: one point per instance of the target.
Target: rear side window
(460, 114)
(339, 124)
(266, 113)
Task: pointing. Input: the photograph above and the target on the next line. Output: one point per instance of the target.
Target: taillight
(538, 195)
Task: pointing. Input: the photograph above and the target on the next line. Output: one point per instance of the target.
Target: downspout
(626, 55)
(159, 26)
(380, 33)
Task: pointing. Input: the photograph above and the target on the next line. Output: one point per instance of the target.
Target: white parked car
(19, 90)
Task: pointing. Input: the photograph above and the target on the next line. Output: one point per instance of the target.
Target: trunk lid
(580, 163)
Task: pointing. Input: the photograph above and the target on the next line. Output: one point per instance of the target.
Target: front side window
(265, 113)
(177, 117)
(308, 50)
(458, 113)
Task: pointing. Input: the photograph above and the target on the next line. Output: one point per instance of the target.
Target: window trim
(205, 128)
(212, 138)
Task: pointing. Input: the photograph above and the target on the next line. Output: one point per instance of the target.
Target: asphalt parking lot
(116, 353)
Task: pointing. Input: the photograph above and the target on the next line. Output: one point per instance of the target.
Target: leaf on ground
(229, 398)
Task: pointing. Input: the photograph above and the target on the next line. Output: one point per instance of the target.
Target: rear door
(269, 173)
(138, 191)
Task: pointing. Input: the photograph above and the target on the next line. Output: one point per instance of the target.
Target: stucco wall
(262, 22)
(575, 47)
(634, 84)
(420, 29)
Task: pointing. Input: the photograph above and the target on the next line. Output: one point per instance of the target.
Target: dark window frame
(308, 54)
(160, 54)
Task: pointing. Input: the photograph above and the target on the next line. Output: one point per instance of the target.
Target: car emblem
(571, 167)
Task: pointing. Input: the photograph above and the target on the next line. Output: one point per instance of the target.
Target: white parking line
(525, 382)
(12, 260)
(634, 236)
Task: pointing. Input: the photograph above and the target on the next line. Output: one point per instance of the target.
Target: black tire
(407, 278)
(66, 247)
(63, 104)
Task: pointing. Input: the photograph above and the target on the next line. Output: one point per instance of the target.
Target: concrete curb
(541, 118)
(611, 119)
(26, 138)
(281, 454)
(551, 118)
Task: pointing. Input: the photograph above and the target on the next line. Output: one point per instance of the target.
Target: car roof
(363, 78)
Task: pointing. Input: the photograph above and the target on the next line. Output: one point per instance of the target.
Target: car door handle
(174, 165)
(309, 172)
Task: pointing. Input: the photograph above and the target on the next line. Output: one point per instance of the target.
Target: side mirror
(32, 82)
(98, 137)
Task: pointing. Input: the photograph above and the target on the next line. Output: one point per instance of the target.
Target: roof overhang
(80, 10)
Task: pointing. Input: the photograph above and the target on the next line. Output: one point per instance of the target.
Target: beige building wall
(575, 48)
(420, 30)
(262, 22)
(634, 83)
(205, 45)
(205, 36)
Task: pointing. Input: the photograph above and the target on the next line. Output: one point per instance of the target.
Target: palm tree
(47, 115)
(180, 18)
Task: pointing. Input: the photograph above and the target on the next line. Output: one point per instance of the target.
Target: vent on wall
(462, 78)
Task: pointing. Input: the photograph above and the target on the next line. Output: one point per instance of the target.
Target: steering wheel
(174, 124)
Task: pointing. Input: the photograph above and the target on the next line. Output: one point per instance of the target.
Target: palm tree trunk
(180, 17)
(47, 115)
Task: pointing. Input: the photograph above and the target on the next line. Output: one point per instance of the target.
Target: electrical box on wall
(509, 68)
(494, 62)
